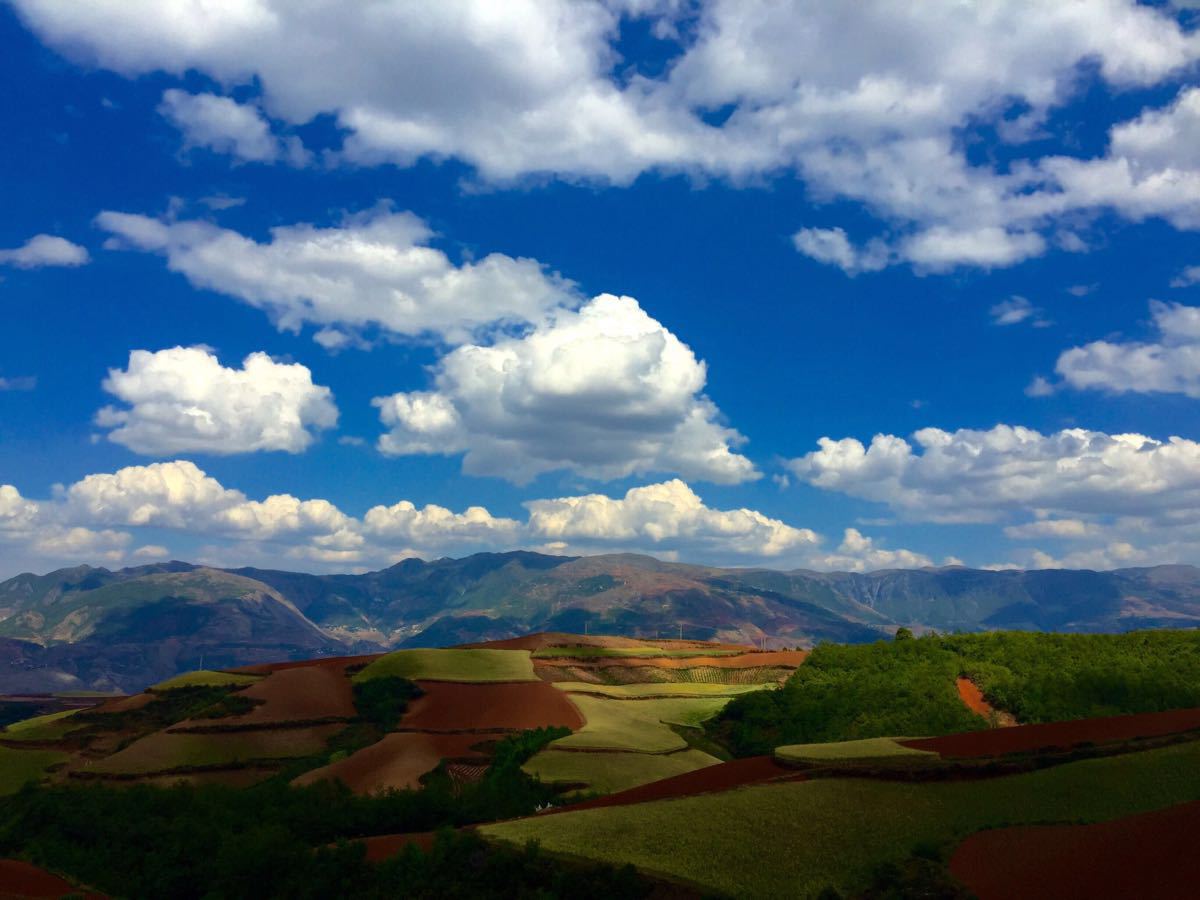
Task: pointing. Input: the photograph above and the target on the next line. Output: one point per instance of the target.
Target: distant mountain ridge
(94, 628)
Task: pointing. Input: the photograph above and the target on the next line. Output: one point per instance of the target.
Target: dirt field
(788, 658)
(453, 706)
(973, 698)
(298, 694)
(1060, 735)
(721, 777)
(164, 752)
(20, 880)
(398, 761)
(381, 847)
(323, 662)
(1154, 854)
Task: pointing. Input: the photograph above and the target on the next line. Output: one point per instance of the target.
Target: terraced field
(452, 665)
(167, 752)
(606, 773)
(641, 726)
(834, 832)
(50, 727)
(844, 751)
(660, 689)
(20, 766)
(205, 678)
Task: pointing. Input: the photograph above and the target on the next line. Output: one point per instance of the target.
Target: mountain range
(88, 628)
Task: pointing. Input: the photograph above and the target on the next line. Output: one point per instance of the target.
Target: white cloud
(1039, 387)
(183, 399)
(1053, 528)
(981, 476)
(1015, 310)
(152, 551)
(1189, 276)
(43, 250)
(223, 125)
(831, 246)
(859, 553)
(1081, 290)
(1169, 365)
(376, 270)
(540, 88)
(668, 516)
(604, 392)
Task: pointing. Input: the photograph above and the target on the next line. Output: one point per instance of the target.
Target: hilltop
(92, 628)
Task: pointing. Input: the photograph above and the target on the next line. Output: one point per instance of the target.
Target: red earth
(399, 760)
(20, 879)
(386, 845)
(307, 694)
(451, 706)
(1155, 854)
(972, 697)
(709, 780)
(1060, 735)
(322, 662)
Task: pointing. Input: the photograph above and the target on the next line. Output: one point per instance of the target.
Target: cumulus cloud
(605, 392)
(831, 246)
(541, 90)
(982, 476)
(223, 125)
(99, 516)
(183, 399)
(1168, 365)
(44, 250)
(1189, 276)
(668, 516)
(375, 270)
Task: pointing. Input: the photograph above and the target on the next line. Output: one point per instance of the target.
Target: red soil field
(1060, 735)
(1155, 854)
(20, 879)
(124, 704)
(497, 706)
(386, 845)
(398, 761)
(302, 694)
(709, 780)
(561, 639)
(751, 660)
(324, 662)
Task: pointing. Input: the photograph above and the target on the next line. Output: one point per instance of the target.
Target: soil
(300, 694)
(1060, 735)
(972, 696)
(455, 706)
(20, 879)
(709, 780)
(387, 845)
(753, 660)
(1155, 854)
(324, 662)
(399, 760)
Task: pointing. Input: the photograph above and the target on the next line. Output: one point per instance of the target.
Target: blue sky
(918, 292)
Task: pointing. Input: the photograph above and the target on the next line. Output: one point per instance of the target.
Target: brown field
(163, 752)
(383, 846)
(709, 780)
(21, 880)
(1060, 735)
(297, 694)
(124, 704)
(560, 639)
(496, 706)
(322, 662)
(398, 761)
(1154, 854)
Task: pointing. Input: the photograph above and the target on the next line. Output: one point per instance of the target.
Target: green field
(606, 773)
(19, 766)
(836, 831)
(637, 725)
(660, 689)
(865, 749)
(205, 678)
(452, 665)
(49, 727)
(620, 652)
(161, 752)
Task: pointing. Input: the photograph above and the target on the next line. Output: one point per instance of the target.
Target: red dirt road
(709, 780)
(1155, 854)
(972, 697)
(398, 761)
(20, 880)
(1060, 735)
(454, 706)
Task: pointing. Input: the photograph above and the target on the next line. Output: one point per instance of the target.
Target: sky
(785, 284)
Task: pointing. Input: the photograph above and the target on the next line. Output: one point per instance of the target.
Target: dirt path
(972, 696)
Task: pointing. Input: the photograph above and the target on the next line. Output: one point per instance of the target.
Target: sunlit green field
(637, 725)
(835, 831)
(452, 665)
(205, 678)
(660, 689)
(49, 727)
(865, 749)
(20, 766)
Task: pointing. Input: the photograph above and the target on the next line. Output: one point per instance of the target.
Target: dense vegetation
(382, 701)
(906, 687)
(214, 841)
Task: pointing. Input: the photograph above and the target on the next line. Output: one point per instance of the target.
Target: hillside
(93, 628)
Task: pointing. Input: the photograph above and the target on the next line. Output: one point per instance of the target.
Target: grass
(865, 749)
(834, 832)
(161, 752)
(618, 652)
(606, 773)
(452, 665)
(205, 678)
(49, 727)
(20, 766)
(659, 689)
(637, 725)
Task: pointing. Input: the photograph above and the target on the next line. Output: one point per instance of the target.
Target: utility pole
(681, 631)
